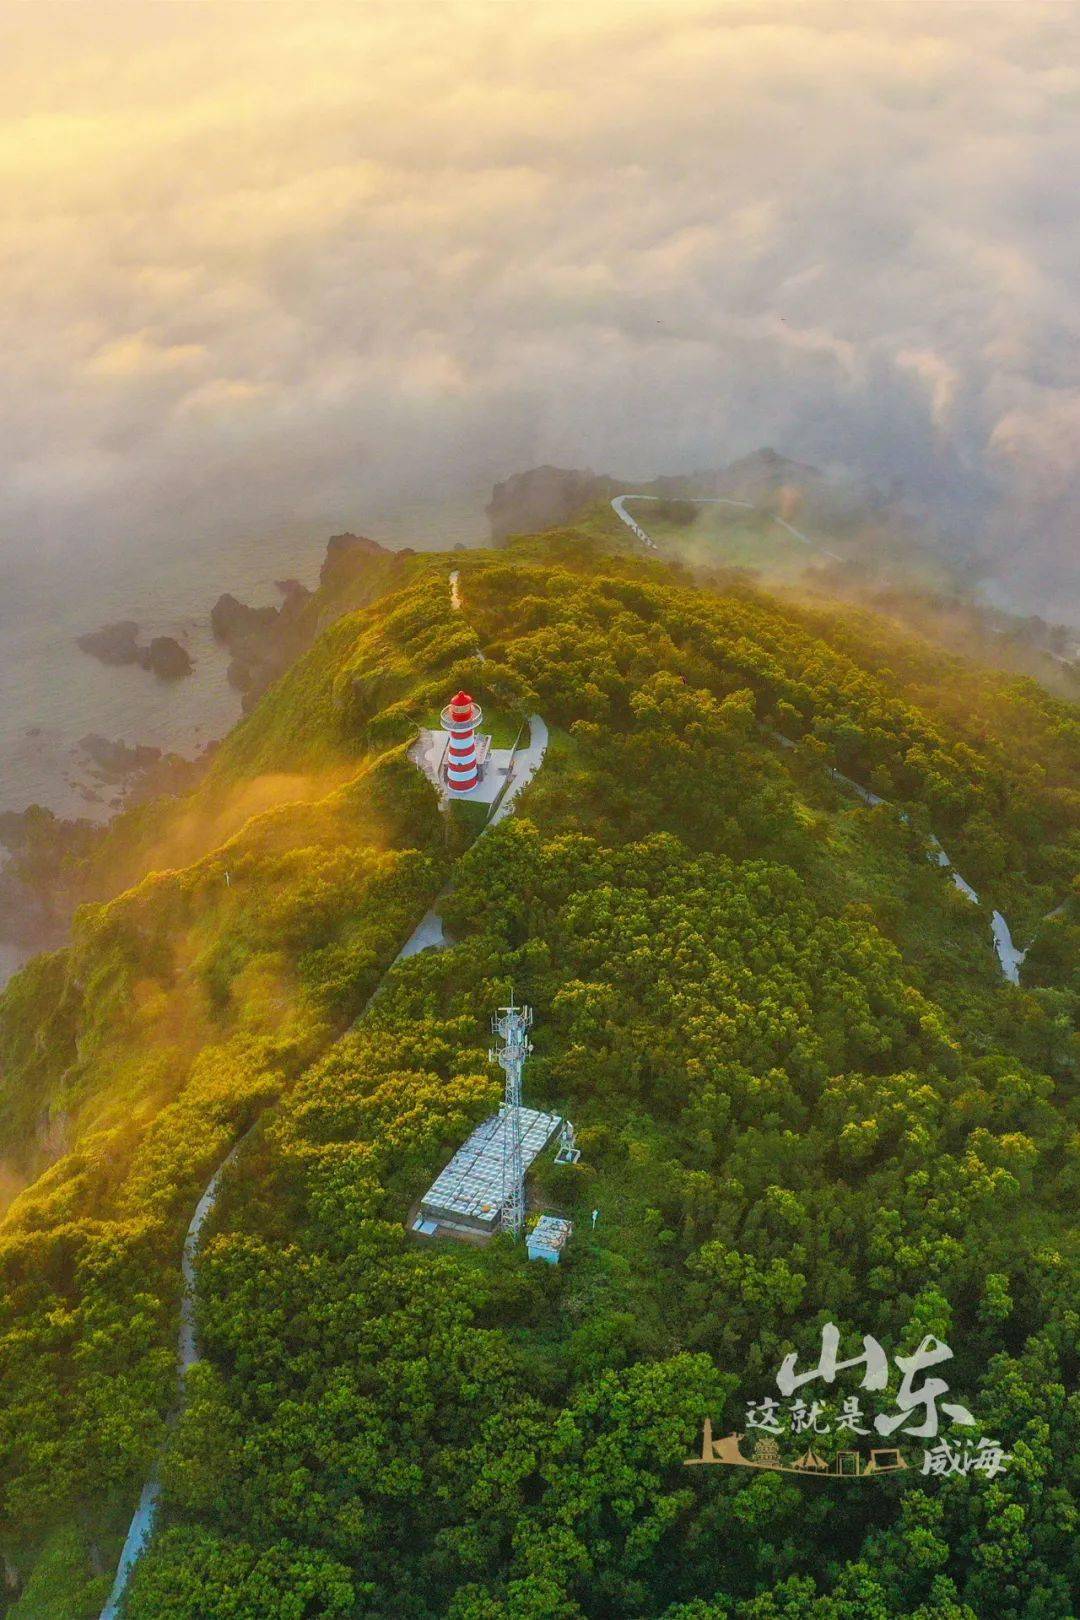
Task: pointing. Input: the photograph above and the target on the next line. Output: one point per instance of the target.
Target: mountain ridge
(767, 1012)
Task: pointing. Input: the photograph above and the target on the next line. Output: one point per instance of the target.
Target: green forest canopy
(802, 1090)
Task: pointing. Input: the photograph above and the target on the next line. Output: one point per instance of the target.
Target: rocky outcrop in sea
(119, 643)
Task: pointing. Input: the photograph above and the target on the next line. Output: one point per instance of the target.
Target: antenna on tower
(511, 1025)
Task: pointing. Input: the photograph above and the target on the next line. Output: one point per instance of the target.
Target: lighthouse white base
(429, 753)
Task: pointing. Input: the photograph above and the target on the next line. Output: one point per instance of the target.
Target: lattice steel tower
(511, 1025)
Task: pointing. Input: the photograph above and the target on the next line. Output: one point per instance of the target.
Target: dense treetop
(802, 1089)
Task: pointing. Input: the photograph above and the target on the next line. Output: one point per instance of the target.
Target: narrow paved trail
(618, 506)
(142, 1523)
(427, 935)
(1009, 954)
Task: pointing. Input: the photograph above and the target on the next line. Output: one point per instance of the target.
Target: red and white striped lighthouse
(461, 718)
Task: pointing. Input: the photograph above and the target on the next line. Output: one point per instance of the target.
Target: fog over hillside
(267, 269)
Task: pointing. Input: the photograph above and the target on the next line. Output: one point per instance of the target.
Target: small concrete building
(548, 1238)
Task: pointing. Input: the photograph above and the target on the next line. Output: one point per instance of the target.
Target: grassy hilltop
(802, 1089)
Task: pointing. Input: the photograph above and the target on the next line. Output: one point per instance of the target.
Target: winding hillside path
(1009, 954)
(142, 1523)
(427, 935)
(523, 767)
(618, 506)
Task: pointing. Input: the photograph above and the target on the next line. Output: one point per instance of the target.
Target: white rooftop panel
(471, 1184)
(548, 1237)
(551, 1229)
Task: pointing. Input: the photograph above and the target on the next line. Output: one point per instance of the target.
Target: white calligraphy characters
(909, 1399)
(986, 1458)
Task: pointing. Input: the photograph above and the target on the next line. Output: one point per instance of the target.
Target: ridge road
(427, 935)
(1009, 954)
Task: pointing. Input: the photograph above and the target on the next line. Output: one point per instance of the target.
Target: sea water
(52, 694)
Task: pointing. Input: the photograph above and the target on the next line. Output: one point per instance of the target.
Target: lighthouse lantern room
(460, 718)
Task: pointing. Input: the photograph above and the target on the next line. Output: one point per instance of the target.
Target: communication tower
(511, 1025)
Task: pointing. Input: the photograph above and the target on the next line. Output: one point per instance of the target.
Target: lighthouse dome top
(461, 713)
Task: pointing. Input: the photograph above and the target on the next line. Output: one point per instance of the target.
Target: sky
(271, 268)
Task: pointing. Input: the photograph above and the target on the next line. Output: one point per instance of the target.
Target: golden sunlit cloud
(413, 247)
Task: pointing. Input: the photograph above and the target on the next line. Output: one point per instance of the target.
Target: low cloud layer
(265, 268)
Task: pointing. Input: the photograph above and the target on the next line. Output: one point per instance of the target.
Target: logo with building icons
(850, 1436)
